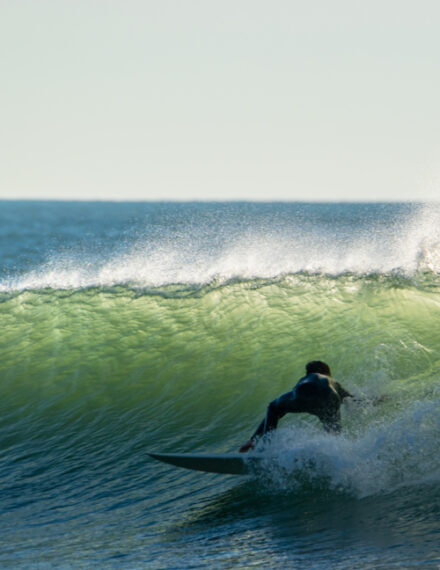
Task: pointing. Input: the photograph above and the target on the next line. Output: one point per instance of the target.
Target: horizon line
(219, 201)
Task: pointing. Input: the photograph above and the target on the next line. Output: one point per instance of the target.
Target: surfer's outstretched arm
(275, 411)
(342, 392)
(366, 400)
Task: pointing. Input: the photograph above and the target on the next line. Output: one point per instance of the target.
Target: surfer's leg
(279, 408)
(331, 421)
(330, 413)
(276, 410)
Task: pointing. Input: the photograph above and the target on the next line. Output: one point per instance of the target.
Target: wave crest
(197, 256)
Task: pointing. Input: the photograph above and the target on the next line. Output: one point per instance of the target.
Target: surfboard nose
(228, 464)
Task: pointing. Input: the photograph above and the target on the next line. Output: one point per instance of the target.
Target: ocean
(168, 327)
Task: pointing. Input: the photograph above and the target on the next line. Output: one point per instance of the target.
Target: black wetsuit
(315, 394)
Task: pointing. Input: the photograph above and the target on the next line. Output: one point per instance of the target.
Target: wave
(219, 250)
(85, 368)
(176, 339)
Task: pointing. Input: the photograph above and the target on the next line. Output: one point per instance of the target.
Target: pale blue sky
(210, 99)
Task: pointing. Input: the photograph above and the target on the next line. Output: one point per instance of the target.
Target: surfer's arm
(342, 392)
(360, 399)
(275, 411)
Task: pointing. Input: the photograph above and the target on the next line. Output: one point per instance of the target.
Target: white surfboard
(228, 463)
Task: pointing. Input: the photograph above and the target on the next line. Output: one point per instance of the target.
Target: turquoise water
(169, 327)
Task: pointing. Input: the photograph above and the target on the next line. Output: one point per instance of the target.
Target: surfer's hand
(246, 446)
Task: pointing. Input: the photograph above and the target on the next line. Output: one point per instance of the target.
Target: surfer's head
(319, 367)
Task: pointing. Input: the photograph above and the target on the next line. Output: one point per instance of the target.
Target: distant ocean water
(133, 327)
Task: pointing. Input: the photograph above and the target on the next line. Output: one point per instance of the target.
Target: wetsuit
(315, 394)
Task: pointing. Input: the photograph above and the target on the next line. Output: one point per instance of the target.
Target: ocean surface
(136, 327)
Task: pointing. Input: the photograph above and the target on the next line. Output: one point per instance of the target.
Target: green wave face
(197, 370)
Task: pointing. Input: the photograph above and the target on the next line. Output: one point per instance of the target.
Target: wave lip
(264, 247)
(256, 261)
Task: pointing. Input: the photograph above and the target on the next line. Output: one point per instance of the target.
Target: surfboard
(226, 463)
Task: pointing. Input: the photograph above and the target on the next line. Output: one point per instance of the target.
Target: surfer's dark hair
(319, 367)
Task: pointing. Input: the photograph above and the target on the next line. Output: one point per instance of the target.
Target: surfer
(316, 393)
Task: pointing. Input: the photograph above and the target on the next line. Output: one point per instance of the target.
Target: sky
(326, 100)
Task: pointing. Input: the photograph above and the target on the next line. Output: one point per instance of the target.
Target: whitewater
(136, 327)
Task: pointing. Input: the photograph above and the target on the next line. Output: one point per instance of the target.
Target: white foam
(386, 456)
(408, 247)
